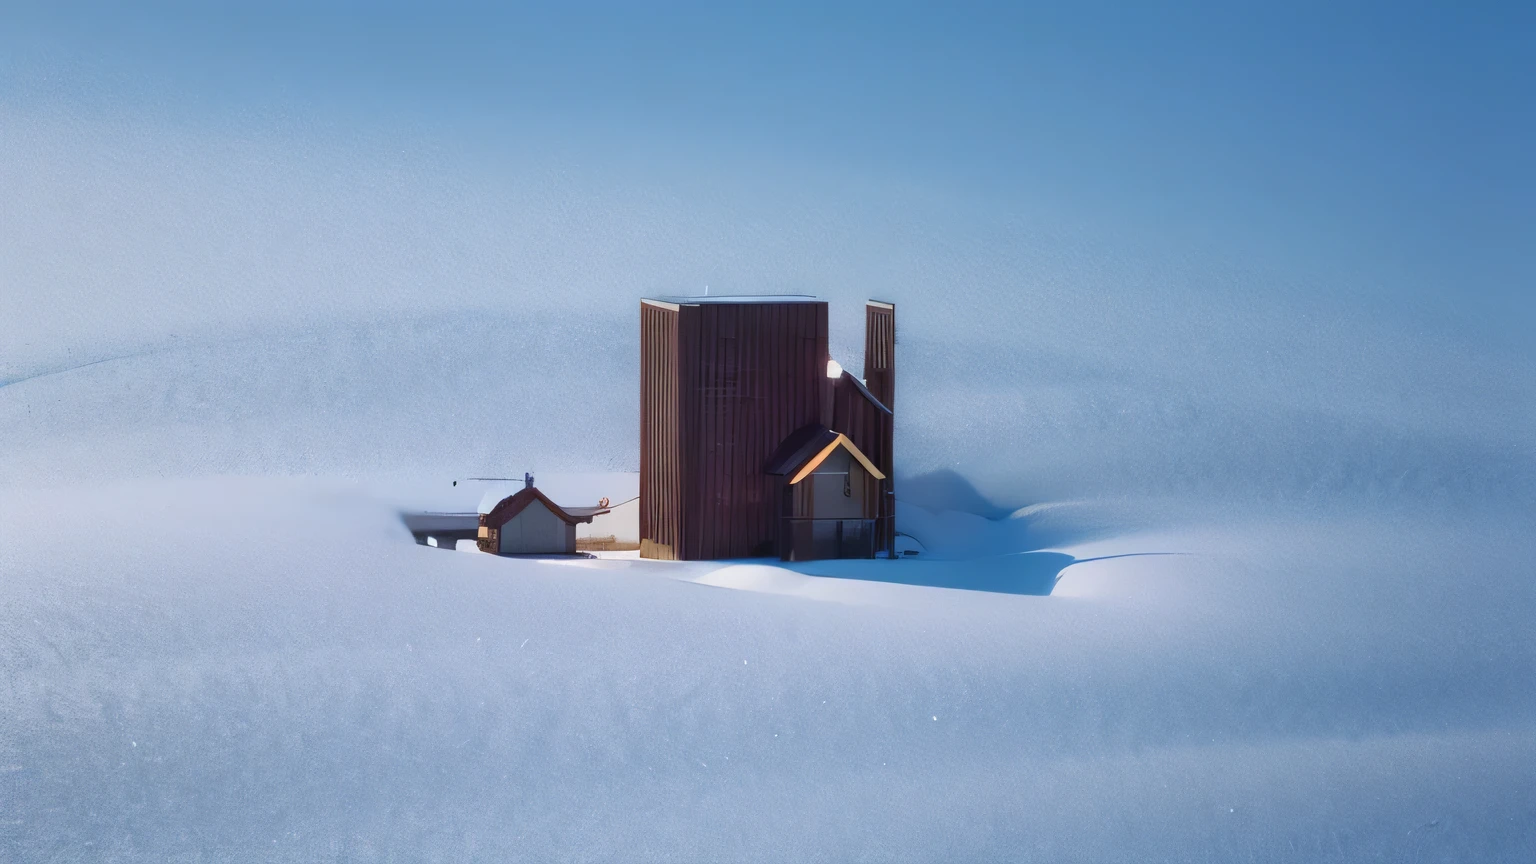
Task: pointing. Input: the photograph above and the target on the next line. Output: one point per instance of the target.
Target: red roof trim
(510, 506)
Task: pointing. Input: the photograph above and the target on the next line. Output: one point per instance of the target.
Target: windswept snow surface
(241, 669)
(1223, 558)
(1178, 600)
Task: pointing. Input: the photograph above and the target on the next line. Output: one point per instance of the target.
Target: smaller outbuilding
(528, 523)
(829, 496)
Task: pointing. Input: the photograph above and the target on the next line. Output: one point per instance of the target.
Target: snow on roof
(426, 522)
(514, 504)
(864, 389)
(720, 299)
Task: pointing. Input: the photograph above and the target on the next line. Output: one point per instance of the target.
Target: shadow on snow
(1033, 573)
(1028, 569)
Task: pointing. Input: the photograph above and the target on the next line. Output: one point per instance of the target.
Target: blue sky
(1374, 148)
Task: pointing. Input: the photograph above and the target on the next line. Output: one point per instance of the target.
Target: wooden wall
(722, 385)
(880, 380)
(880, 352)
(869, 427)
(661, 464)
(755, 374)
(536, 531)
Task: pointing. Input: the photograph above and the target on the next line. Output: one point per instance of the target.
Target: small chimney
(527, 480)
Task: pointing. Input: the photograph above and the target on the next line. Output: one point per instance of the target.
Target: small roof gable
(808, 447)
(512, 505)
(800, 446)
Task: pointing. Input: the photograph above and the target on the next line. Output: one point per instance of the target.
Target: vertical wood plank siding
(661, 466)
(880, 353)
(880, 380)
(869, 428)
(758, 375)
(742, 377)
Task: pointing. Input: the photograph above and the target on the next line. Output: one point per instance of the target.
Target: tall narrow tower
(880, 380)
(880, 351)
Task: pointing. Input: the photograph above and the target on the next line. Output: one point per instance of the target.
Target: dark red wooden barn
(733, 390)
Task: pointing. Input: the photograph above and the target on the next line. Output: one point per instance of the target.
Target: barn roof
(865, 391)
(728, 299)
(512, 505)
(808, 447)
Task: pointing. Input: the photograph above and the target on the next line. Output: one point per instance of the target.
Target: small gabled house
(528, 523)
(829, 496)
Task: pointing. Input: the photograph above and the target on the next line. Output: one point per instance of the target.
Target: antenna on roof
(706, 289)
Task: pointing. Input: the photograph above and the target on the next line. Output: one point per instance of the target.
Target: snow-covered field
(1146, 624)
(242, 668)
(1229, 552)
